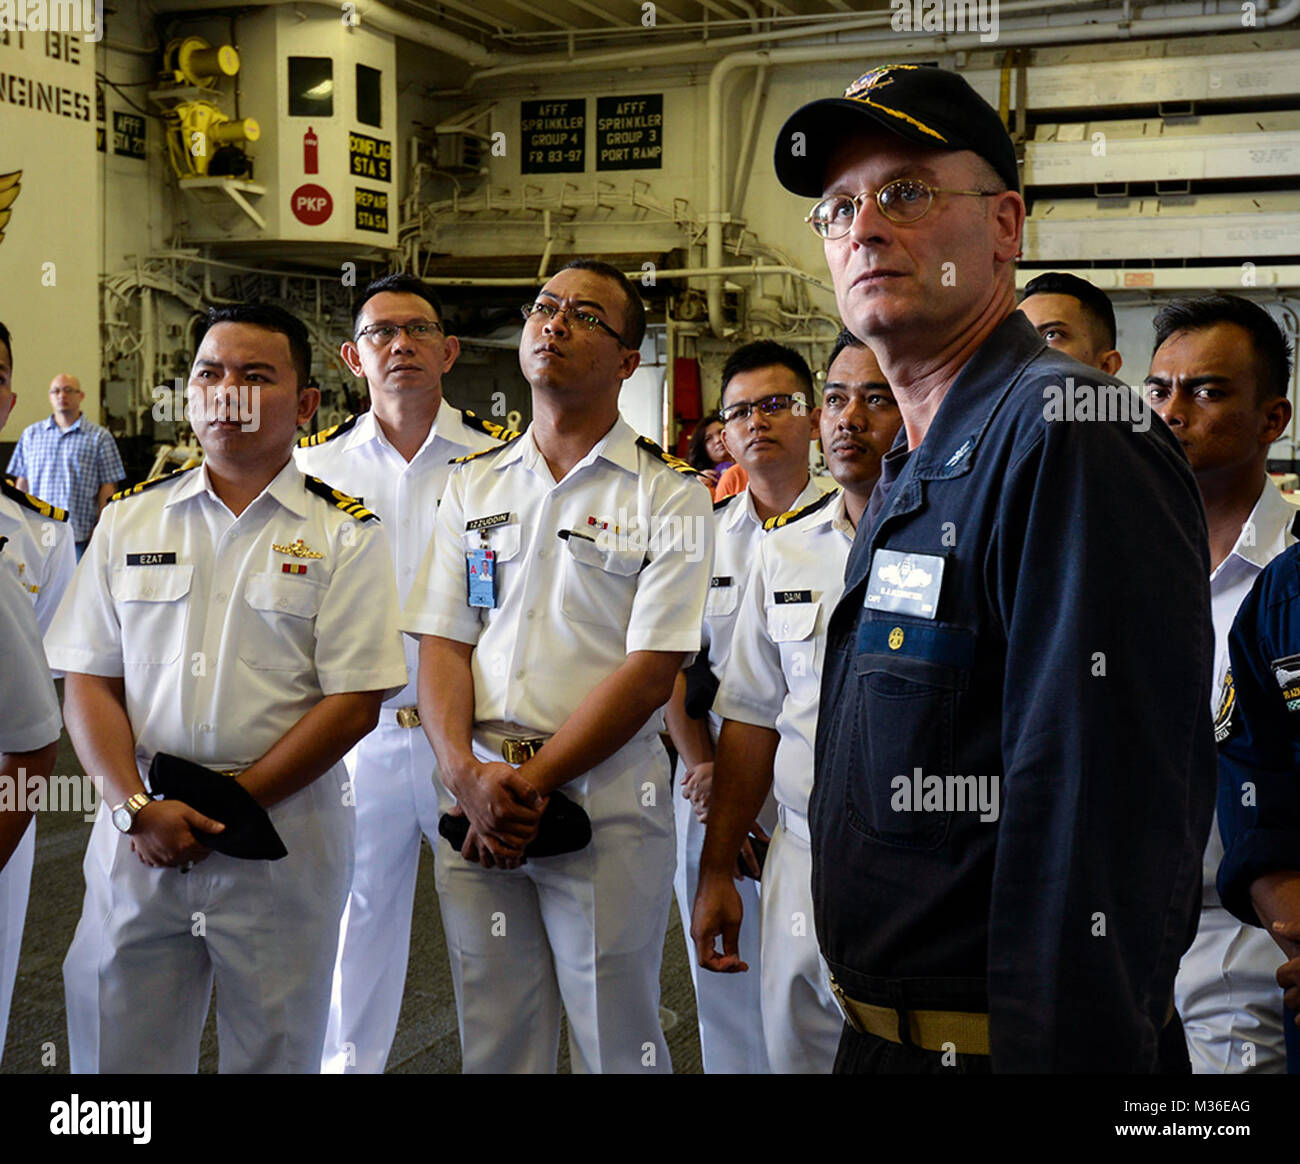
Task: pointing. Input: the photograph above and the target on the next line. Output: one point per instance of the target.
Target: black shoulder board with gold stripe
(344, 501)
(327, 434)
(723, 502)
(132, 490)
(783, 519)
(27, 501)
(488, 452)
(668, 459)
(496, 431)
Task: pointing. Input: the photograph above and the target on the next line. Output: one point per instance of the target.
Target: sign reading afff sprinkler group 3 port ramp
(630, 132)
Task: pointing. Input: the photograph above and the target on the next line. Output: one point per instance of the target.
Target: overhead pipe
(658, 273)
(563, 62)
(385, 19)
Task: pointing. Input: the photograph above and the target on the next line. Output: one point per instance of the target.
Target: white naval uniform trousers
(29, 719)
(38, 550)
(392, 769)
(773, 680)
(728, 1006)
(226, 630)
(1226, 990)
(585, 930)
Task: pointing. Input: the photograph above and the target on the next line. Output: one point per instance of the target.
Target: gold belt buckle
(517, 749)
(408, 717)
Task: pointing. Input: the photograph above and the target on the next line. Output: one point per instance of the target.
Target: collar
(735, 513)
(617, 446)
(54, 424)
(288, 487)
(365, 430)
(447, 426)
(1263, 536)
(973, 397)
(837, 515)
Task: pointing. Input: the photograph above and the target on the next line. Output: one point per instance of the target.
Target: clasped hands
(504, 811)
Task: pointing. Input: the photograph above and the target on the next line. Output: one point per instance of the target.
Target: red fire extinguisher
(309, 143)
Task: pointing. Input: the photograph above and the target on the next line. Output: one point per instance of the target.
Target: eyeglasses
(902, 200)
(585, 319)
(768, 406)
(384, 333)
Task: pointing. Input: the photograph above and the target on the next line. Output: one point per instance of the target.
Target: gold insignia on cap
(298, 549)
(878, 78)
(871, 78)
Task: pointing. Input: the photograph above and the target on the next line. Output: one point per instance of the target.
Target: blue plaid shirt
(66, 467)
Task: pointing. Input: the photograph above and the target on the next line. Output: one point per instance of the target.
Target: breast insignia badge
(298, 549)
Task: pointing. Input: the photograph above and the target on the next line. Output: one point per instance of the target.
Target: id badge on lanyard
(481, 577)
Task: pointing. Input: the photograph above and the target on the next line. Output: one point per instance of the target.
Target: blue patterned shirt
(66, 467)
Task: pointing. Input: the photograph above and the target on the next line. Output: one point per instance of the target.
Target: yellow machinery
(202, 141)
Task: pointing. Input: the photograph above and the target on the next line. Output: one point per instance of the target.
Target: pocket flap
(150, 583)
(792, 621)
(624, 563)
(284, 594)
(937, 656)
(502, 540)
(721, 600)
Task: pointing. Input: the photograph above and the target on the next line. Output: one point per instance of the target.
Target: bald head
(65, 398)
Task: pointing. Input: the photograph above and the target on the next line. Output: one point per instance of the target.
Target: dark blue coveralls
(1259, 762)
(1070, 657)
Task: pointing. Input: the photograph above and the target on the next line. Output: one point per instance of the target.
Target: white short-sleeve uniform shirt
(29, 710)
(38, 549)
(357, 458)
(228, 630)
(739, 531)
(773, 674)
(614, 558)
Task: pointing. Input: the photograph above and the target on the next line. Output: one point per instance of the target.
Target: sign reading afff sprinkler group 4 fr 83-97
(553, 136)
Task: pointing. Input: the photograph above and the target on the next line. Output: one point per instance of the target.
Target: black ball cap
(931, 107)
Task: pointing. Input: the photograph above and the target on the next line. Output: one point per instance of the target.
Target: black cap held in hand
(931, 107)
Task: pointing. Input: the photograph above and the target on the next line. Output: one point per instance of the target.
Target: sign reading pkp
(311, 204)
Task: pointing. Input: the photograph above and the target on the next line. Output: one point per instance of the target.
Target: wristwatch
(124, 814)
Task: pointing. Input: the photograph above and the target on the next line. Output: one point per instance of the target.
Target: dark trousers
(872, 1055)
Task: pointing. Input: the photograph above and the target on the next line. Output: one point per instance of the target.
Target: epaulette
(784, 519)
(27, 501)
(132, 490)
(490, 427)
(668, 459)
(491, 450)
(723, 502)
(328, 434)
(344, 501)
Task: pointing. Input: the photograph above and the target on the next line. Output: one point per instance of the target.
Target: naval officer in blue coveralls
(1014, 760)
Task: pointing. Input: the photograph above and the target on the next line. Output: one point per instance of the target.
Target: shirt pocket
(599, 585)
(792, 626)
(909, 677)
(722, 599)
(152, 606)
(278, 632)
